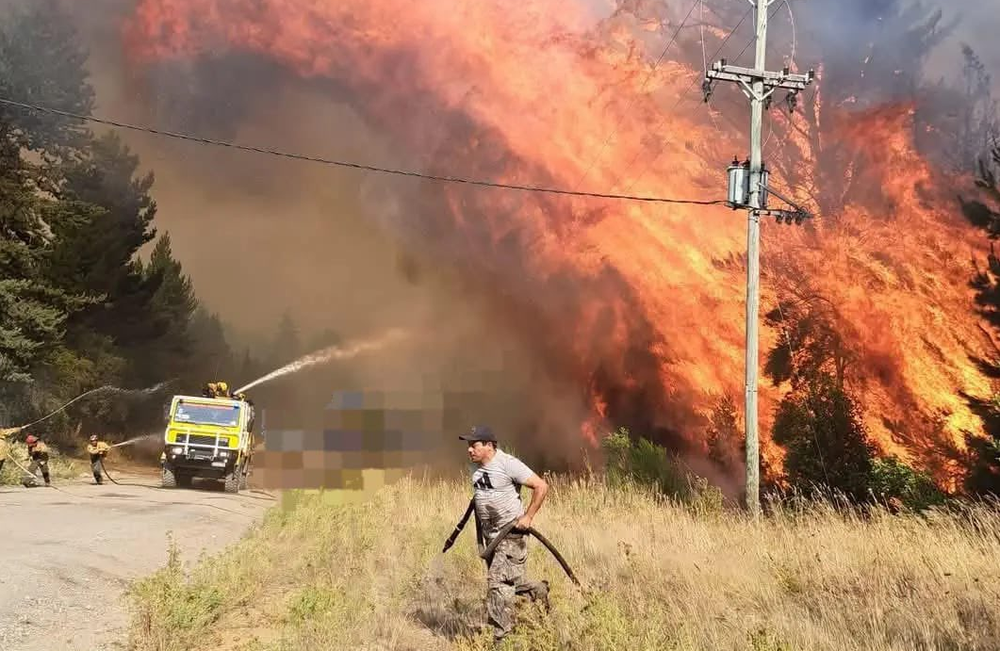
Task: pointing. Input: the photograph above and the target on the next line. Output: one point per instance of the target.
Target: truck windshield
(224, 415)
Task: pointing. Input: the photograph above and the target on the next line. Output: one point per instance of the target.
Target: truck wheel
(233, 481)
(169, 479)
(245, 478)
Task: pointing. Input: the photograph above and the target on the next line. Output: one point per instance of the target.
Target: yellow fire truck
(208, 437)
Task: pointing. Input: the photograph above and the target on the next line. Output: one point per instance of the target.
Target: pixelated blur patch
(363, 441)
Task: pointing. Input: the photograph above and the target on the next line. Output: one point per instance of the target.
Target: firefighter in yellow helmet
(216, 390)
(38, 453)
(4, 445)
(97, 450)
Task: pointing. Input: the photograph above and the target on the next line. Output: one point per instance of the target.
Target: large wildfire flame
(642, 304)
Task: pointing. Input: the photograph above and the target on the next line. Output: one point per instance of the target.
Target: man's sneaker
(543, 596)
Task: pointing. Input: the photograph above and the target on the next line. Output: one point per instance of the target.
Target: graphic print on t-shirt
(497, 485)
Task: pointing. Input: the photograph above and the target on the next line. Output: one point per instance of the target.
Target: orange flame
(543, 96)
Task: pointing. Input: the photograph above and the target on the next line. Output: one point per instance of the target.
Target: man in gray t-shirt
(497, 478)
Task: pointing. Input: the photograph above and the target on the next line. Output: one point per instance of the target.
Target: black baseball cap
(479, 433)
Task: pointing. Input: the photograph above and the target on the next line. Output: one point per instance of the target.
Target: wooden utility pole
(748, 189)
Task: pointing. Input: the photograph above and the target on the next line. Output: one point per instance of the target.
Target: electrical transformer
(738, 195)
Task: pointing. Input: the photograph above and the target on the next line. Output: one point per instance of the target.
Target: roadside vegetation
(660, 571)
(61, 466)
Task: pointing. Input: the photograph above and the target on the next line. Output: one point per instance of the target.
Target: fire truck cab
(208, 437)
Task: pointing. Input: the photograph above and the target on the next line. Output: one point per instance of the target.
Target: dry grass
(61, 467)
(659, 576)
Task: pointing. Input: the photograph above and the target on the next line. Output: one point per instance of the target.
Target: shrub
(646, 464)
(891, 479)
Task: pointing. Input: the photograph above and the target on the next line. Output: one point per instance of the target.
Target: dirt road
(66, 556)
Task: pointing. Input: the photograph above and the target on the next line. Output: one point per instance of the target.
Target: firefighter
(4, 445)
(97, 451)
(38, 453)
(216, 390)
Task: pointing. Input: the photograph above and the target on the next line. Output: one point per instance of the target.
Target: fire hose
(486, 553)
(35, 478)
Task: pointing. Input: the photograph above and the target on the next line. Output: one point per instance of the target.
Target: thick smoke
(336, 249)
(358, 253)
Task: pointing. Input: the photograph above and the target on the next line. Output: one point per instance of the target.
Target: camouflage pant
(96, 466)
(33, 468)
(505, 580)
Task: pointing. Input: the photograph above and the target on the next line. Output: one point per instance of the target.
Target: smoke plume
(566, 311)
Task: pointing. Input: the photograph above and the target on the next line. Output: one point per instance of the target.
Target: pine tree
(42, 60)
(166, 351)
(826, 443)
(39, 57)
(77, 307)
(211, 356)
(96, 251)
(984, 453)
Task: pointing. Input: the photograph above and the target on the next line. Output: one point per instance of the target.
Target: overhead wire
(704, 59)
(683, 95)
(791, 63)
(754, 39)
(649, 76)
(349, 164)
(701, 20)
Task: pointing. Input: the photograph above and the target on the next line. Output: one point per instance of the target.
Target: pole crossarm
(747, 77)
(783, 79)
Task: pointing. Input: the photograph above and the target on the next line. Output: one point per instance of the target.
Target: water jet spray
(136, 439)
(328, 354)
(110, 388)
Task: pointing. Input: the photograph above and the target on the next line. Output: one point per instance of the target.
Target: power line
(649, 76)
(683, 95)
(754, 39)
(359, 166)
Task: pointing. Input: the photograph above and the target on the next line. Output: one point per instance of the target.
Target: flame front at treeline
(642, 305)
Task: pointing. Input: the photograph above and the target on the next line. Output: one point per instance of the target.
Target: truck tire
(233, 481)
(245, 476)
(169, 479)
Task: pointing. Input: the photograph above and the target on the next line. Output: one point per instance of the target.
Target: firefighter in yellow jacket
(38, 453)
(97, 451)
(4, 445)
(216, 390)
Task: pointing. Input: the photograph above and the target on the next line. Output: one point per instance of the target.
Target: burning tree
(984, 453)
(637, 311)
(840, 153)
